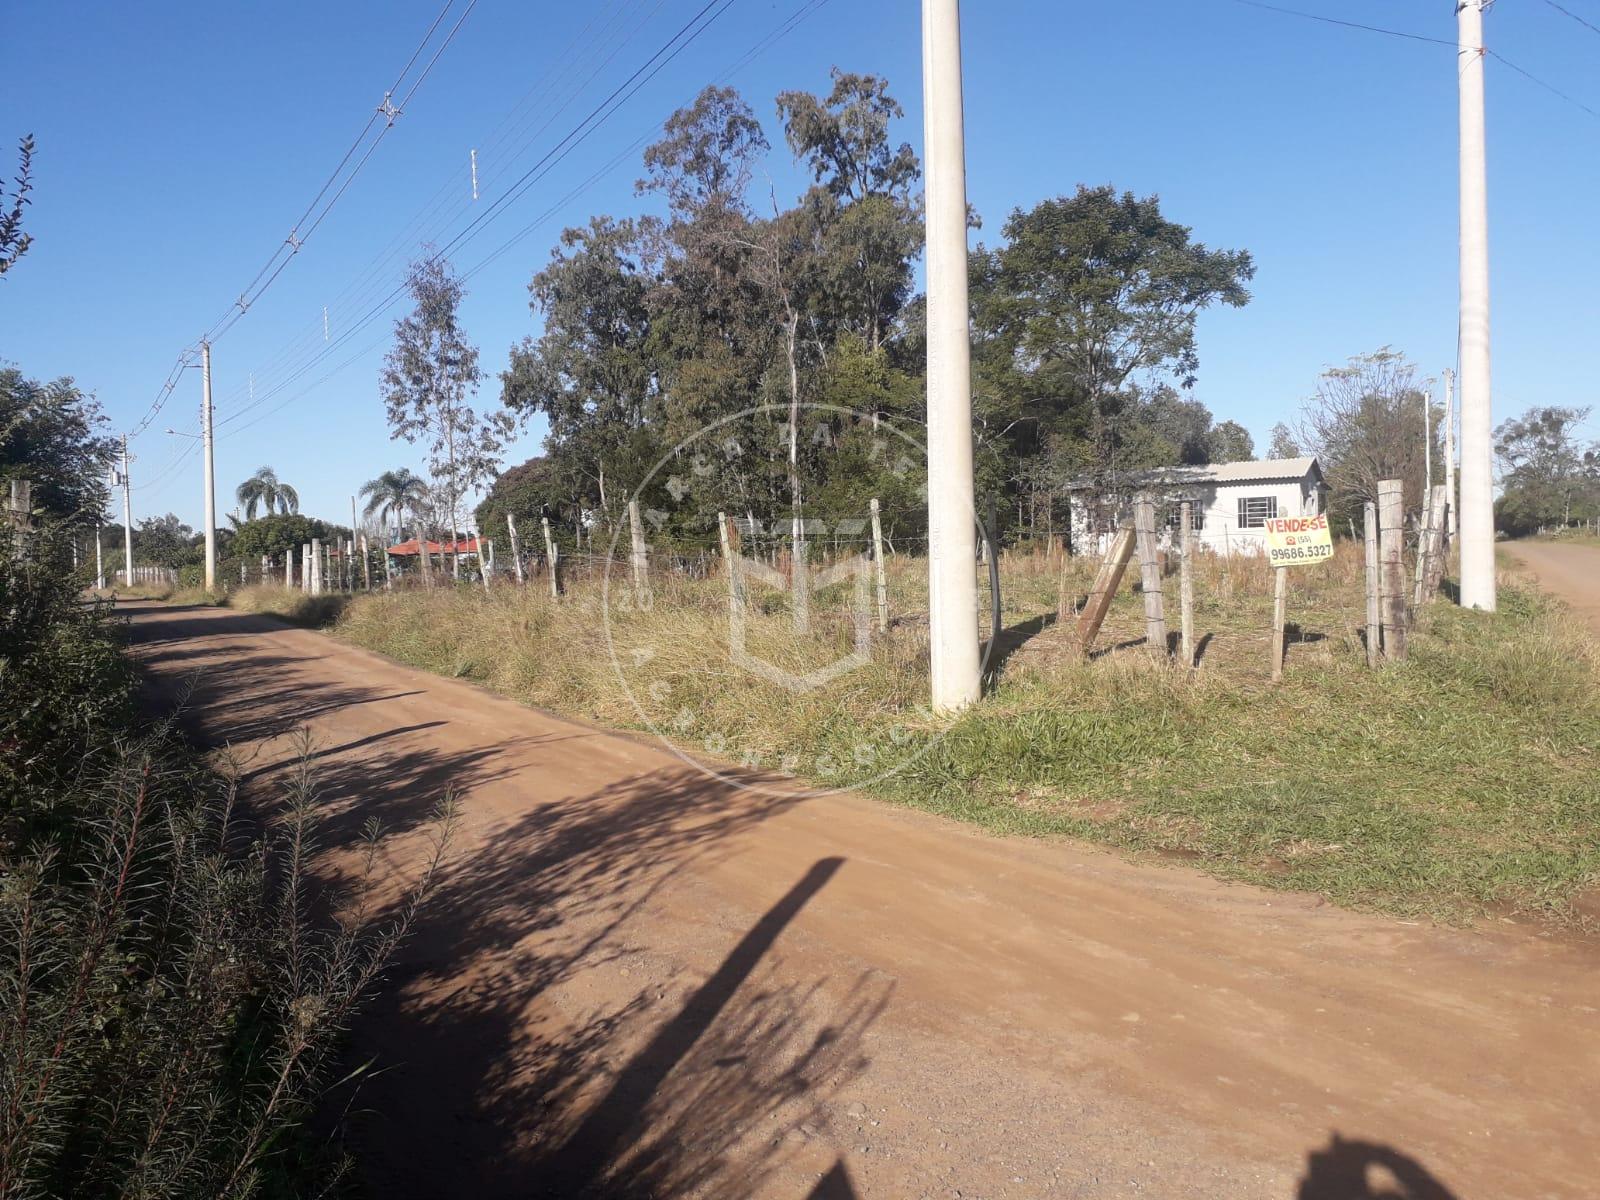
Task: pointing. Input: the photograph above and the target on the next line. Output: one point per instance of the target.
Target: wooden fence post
(1186, 578)
(1424, 551)
(516, 547)
(1104, 589)
(485, 565)
(1438, 547)
(729, 567)
(882, 573)
(1155, 617)
(991, 541)
(1391, 553)
(640, 556)
(1280, 605)
(366, 563)
(1369, 534)
(550, 558)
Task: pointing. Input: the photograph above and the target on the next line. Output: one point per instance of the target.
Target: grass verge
(1459, 783)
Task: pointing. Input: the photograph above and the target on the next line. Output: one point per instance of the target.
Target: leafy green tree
(53, 434)
(427, 378)
(1548, 475)
(1089, 292)
(277, 533)
(1284, 443)
(1229, 441)
(594, 372)
(165, 541)
(265, 490)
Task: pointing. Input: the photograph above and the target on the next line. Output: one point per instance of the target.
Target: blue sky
(178, 143)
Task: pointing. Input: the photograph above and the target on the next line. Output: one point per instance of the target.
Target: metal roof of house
(1258, 470)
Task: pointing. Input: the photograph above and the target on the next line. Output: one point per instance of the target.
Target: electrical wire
(279, 259)
(581, 132)
(1592, 28)
(1295, 12)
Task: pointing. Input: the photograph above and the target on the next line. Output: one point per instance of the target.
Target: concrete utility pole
(952, 542)
(1477, 480)
(210, 470)
(1451, 502)
(127, 516)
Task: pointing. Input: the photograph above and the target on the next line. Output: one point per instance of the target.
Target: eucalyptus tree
(266, 491)
(428, 376)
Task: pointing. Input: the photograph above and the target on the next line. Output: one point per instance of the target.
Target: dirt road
(1571, 571)
(637, 983)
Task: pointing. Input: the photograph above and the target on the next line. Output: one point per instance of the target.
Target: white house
(1231, 502)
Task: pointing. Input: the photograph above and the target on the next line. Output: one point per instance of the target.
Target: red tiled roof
(467, 545)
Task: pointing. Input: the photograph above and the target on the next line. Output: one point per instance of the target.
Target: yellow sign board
(1297, 541)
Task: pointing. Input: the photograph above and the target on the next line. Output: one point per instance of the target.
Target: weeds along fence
(822, 578)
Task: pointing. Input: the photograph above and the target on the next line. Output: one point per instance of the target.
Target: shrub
(168, 1007)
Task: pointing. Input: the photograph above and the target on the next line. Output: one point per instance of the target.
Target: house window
(1197, 517)
(1256, 511)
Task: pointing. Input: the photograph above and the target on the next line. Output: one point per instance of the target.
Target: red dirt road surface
(1571, 571)
(636, 982)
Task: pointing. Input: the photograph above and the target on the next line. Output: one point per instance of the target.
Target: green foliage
(166, 541)
(789, 327)
(266, 491)
(1548, 475)
(276, 535)
(168, 1006)
(428, 375)
(14, 241)
(53, 434)
(1088, 293)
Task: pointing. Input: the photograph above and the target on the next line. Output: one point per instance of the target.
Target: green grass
(1459, 783)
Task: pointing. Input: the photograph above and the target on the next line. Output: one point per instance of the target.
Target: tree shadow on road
(517, 1065)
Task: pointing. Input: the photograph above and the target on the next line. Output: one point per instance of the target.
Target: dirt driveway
(1570, 570)
(635, 982)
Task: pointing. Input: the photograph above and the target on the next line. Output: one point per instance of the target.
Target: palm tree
(393, 495)
(265, 489)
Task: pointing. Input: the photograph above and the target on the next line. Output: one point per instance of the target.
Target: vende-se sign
(1296, 541)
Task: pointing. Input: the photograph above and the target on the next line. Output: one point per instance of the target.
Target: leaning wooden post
(641, 556)
(1186, 578)
(1104, 589)
(882, 571)
(1391, 554)
(485, 565)
(1437, 548)
(1424, 550)
(550, 558)
(728, 566)
(1369, 534)
(1280, 606)
(516, 547)
(1155, 617)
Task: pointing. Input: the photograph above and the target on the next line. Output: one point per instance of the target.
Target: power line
(1417, 37)
(1592, 28)
(585, 128)
(368, 281)
(1551, 88)
(1295, 12)
(280, 259)
(806, 10)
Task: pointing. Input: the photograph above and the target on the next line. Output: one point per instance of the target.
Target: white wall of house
(1229, 514)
